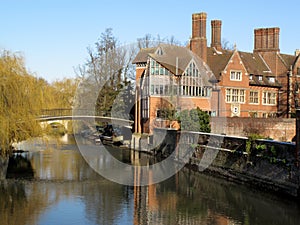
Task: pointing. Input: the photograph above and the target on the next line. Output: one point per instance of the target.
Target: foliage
(167, 113)
(58, 94)
(194, 120)
(63, 92)
(106, 76)
(251, 139)
(20, 101)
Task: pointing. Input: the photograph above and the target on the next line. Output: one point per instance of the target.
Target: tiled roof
(142, 56)
(217, 60)
(264, 82)
(288, 60)
(173, 53)
(254, 63)
(256, 67)
(168, 58)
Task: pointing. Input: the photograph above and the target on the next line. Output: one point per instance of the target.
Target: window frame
(235, 95)
(253, 97)
(267, 98)
(236, 75)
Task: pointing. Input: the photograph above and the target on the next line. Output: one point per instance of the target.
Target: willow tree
(63, 91)
(20, 102)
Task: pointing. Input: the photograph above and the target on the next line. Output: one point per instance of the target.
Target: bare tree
(226, 45)
(107, 71)
(148, 41)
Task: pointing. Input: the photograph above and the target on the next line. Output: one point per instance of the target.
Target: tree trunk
(3, 166)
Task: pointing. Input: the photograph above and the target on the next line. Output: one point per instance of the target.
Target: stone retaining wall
(271, 167)
(276, 128)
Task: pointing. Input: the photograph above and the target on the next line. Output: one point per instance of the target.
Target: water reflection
(19, 167)
(65, 190)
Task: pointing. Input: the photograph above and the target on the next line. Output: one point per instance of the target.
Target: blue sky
(53, 36)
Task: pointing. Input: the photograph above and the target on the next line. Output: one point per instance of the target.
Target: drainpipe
(297, 150)
(288, 105)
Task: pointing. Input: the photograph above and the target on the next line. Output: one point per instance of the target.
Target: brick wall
(280, 129)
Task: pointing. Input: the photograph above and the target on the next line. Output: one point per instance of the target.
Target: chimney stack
(198, 43)
(266, 39)
(216, 34)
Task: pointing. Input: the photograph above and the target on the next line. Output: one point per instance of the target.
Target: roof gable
(217, 61)
(176, 58)
(235, 53)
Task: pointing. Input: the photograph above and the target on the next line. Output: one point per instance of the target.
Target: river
(56, 186)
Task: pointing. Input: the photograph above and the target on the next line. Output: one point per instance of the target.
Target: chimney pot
(266, 39)
(216, 26)
(198, 43)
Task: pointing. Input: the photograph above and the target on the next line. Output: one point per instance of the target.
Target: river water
(56, 186)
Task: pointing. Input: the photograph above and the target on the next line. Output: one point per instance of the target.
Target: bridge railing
(69, 112)
(55, 112)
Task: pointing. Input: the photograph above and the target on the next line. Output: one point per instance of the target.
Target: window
(254, 97)
(253, 114)
(269, 98)
(145, 108)
(235, 95)
(161, 90)
(236, 75)
(157, 69)
(192, 83)
(269, 115)
(159, 51)
(260, 78)
(271, 79)
(242, 96)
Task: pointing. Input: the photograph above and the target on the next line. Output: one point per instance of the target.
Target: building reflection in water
(65, 190)
(192, 198)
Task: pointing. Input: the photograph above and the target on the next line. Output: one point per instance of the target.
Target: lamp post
(288, 104)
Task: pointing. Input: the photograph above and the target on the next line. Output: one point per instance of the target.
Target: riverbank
(268, 166)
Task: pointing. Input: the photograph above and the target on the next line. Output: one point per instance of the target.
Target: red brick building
(225, 83)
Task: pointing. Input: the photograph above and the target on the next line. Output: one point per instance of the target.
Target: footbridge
(63, 116)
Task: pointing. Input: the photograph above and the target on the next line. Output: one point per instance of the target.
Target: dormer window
(260, 77)
(159, 51)
(271, 79)
(251, 77)
(235, 75)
